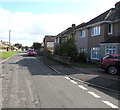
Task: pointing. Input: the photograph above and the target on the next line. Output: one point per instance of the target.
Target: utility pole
(9, 36)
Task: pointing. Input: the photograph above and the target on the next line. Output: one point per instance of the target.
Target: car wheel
(112, 70)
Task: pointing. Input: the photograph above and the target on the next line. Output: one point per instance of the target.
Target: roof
(49, 38)
(114, 39)
(80, 25)
(66, 32)
(110, 15)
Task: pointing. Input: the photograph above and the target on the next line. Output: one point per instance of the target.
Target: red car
(31, 52)
(111, 63)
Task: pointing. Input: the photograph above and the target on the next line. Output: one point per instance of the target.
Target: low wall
(62, 59)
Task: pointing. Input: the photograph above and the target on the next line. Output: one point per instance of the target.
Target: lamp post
(9, 36)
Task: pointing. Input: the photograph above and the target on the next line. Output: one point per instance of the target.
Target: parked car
(31, 52)
(111, 63)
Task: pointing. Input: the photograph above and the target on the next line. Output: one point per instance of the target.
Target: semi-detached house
(49, 42)
(101, 35)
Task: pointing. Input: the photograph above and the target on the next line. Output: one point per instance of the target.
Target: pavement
(91, 76)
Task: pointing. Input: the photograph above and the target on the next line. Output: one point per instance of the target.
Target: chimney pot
(73, 25)
(117, 5)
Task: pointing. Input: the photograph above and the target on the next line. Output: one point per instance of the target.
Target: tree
(68, 48)
(18, 45)
(36, 45)
(26, 47)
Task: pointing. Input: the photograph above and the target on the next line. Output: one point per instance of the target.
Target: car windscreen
(107, 57)
(30, 50)
(117, 57)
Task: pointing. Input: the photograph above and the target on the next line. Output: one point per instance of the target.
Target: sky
(30, 20)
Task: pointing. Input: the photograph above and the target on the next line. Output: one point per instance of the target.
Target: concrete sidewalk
(91, 76)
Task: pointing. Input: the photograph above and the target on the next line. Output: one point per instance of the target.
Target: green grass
(7, 54)
(84, 65)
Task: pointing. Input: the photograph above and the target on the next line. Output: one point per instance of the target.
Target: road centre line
(82, 87)
(67, 78)
(72, 81)
(94, 94)
(110, 104)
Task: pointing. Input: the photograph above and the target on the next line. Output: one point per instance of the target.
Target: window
(55, 40)
(117, 57)
(95, 31)
(83, 33)
(110, 50)
(58, 40)
(95, 53)
(109, 28)
(82, 50)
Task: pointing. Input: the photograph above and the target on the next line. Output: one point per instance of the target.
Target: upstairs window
(109, 28)
(95, 31)
(83, 33)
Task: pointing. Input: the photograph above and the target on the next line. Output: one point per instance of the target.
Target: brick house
(100, 36)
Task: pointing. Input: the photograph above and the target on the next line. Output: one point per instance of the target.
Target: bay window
(110, 50)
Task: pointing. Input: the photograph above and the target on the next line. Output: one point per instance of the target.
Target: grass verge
(84, 65)
(8, 54)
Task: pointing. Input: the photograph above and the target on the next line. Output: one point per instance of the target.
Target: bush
(82, 57)
(67, 48)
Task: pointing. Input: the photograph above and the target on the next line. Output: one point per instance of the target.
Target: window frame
(96, 30)
(96, 49)
(110, 28)
(81, 50)
(83, 33)
(113, 48)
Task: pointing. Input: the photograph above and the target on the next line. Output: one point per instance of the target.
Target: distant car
(31, 52)
(111, 64)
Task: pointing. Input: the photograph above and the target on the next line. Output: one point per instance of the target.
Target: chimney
(117, 6)
(73, 25)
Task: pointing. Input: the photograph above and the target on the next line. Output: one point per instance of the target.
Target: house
(100, 36)
(49, 42)
(4, 44)
(64, 35)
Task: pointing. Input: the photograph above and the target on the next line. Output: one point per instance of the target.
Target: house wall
(89, 41)
(116, 28)
(50, 44)
(94, 41)
(81, 42)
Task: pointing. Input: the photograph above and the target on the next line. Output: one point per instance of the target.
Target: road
(28, 83)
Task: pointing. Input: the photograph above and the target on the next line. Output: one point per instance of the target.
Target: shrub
(67, 48)
(82, 57)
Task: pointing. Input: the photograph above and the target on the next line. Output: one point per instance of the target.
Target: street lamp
(9, 36)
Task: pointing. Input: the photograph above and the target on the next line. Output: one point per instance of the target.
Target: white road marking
(110, 104)
(93, 94)
(72, 81)
(67, 78)
(82, 87)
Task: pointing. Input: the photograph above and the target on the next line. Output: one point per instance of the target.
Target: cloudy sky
(30, 20)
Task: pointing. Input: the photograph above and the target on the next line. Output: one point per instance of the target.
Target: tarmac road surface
(28, 83)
